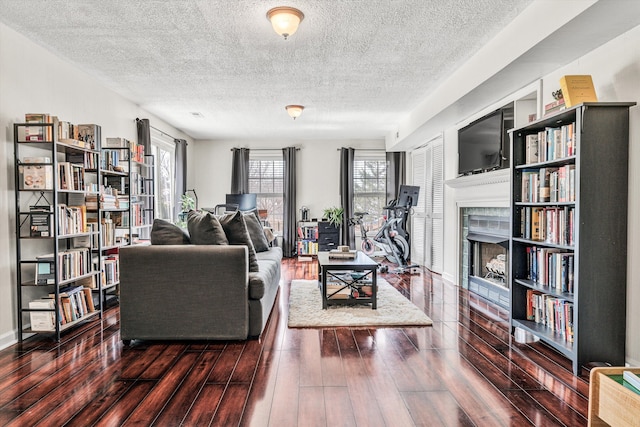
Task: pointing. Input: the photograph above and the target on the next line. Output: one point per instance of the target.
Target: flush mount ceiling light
(294, 110)
(285, 20)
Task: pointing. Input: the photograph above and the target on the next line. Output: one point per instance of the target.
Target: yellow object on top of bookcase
(577, 89)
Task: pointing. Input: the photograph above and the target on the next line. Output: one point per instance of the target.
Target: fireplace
(488, 258)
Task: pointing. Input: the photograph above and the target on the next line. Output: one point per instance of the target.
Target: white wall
(34, 81)
(317, 167)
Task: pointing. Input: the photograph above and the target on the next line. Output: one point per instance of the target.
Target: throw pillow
(235, 228)
(165, 233)
(256, 232)
(205, 229)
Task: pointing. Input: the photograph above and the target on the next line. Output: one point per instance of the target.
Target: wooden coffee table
(347, 282)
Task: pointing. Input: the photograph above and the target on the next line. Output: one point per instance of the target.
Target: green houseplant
(187, 203)
(334, 216)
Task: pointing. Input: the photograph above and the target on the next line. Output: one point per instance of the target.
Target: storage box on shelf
(54, 239)
(569, 234)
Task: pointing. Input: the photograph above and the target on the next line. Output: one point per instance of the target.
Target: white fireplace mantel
(493, 177)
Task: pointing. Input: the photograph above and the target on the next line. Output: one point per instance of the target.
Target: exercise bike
(391, 238)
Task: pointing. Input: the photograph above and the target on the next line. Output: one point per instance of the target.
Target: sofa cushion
(165, 233)
(205, 229)
(236, 231)
(274, 254)
(267, 276)
(256, 232)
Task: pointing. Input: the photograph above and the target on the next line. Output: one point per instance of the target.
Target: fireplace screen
(488, 258)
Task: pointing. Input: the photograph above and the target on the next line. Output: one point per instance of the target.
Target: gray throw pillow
(236, 230)
(165, 233)
(256, 232)
(205, 229)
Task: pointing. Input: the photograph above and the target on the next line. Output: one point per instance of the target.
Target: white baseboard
(632, 362)
(8, 339)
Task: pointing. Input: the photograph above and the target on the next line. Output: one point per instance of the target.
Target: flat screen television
(484, 144)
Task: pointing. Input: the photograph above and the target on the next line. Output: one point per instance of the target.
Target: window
(266, 179)
(163, 149)
(369, 187)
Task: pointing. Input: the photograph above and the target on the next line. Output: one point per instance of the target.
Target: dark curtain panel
(396, 172)
(144, 134)
(289, 208)
(181, 173)
(240, 171)
(346, 195)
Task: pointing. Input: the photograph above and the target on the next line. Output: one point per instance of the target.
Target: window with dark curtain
(346, 194)
(290, 202)
(240, 171)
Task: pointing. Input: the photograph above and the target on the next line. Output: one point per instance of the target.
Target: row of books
(110, 270)
(307, 247)
(68, 264)
(551, 144)
(75, 303)
(38, 133)
(81, 135)
(136, 150)
(308, 232)
(555, 313)
(553, 225)
(87, 160)
(112, 160)
(138, 216)
(71, 176)
(549, 184)
(137, 184)
(551, 267)
(71, 219)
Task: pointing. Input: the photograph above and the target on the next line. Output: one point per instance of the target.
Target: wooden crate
(610, 403)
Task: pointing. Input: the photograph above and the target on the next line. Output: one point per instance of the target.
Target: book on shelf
(577, 89)
(632, 379)
(40, 221)
(36, 177)
(554, 106)
(531, 148)
(42, 320)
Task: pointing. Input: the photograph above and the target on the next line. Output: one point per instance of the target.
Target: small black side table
(363, 269)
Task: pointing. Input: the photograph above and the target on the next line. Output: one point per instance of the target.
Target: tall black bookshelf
(54, 173)
(125, 208)
(568, 245)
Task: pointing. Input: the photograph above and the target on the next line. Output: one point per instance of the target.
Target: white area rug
(305, 309)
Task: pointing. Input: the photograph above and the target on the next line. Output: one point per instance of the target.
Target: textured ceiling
(358, 66)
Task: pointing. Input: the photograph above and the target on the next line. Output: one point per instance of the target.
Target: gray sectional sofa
(185, 291)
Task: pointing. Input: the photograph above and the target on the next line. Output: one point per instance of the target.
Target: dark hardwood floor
(464, 370)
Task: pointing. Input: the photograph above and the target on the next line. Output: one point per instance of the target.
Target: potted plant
(187, 203)
(334, 216)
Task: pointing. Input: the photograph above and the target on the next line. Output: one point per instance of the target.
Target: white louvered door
(418, 219)
(427, 220)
